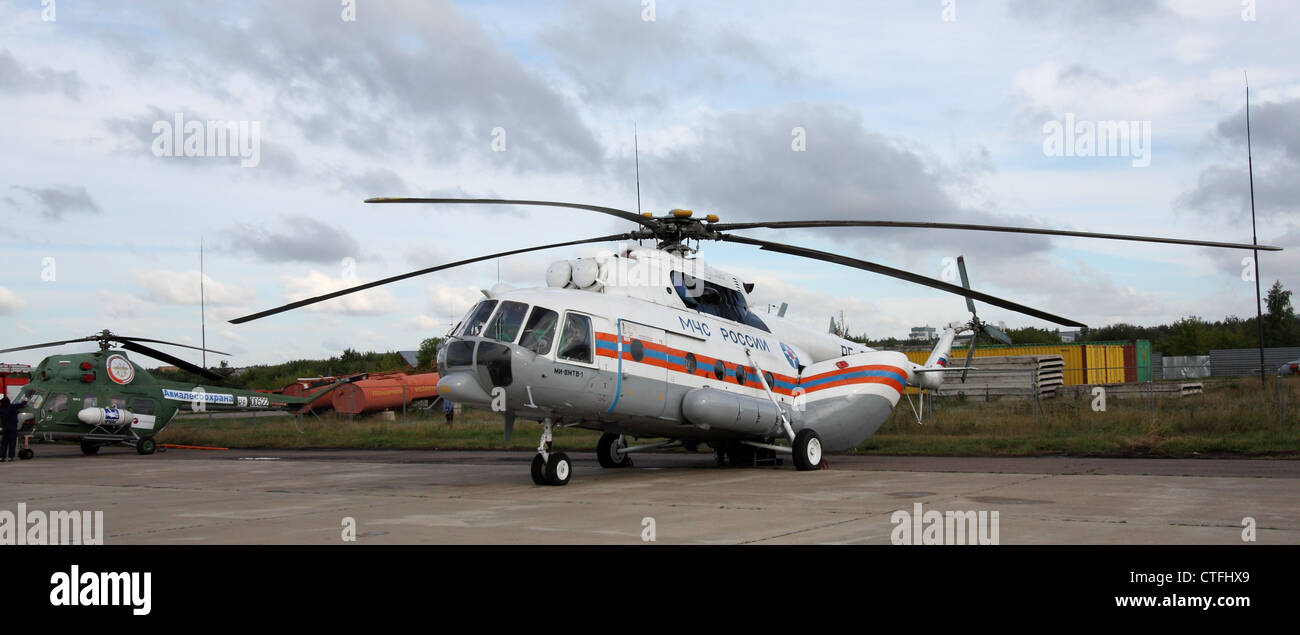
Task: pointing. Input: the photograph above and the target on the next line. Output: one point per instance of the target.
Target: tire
(558, 469)
(26, 454)
(609, 451)
(742, 455)
(89, 449)
(539, 470)
(146, 446)
(807, 450)
(720, 456)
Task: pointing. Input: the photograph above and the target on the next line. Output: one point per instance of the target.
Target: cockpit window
(505, 324)
(715, 299)
(575, 342)
(540, 331)
(473, 324)
(33, 397)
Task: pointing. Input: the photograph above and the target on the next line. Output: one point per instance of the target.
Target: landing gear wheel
(146, 446)
(807, 450)
(742, 455)
(89, 449)
(26, 453)
(558, 469)
(539, 470)
(720, 457)
(609, 451)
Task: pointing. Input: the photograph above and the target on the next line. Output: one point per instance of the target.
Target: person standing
(448, 409)
(9, 427)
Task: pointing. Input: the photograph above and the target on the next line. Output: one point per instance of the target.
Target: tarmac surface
(454, 497)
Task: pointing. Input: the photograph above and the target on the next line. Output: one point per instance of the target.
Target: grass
(1232, 418)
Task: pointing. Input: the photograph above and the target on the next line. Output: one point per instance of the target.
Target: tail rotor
(976, 325)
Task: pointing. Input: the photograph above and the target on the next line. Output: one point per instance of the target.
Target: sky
(1000, 112)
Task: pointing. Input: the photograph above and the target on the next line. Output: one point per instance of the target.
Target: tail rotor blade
(965, 283)
(997, 334)
(970, 354)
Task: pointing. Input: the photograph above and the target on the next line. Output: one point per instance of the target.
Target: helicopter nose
(462, 387)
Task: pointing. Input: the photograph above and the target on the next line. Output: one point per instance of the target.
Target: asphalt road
(442, 497)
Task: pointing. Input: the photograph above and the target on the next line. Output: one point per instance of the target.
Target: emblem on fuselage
(120, 369)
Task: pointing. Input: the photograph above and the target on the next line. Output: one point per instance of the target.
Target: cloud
(15, 79)
(54, 202)
(369, 302)
(10, 303)
(1223, 190)
(1087, 12)
(301, 239)
(618, 58)
(182, 287)
(740, 165)
(345, 84)
(421, 322)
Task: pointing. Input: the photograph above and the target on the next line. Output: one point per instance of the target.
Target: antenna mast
(203, 313)
(1250, 167)
(636, 158)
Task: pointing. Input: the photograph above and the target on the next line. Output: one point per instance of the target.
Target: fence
(1185, 391)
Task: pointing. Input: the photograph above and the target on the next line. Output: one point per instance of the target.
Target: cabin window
(504, 326)
(478, 316)
(539, 334)
(58, 402)
(575, 342)
(117, 401)
(141, 406)
(719, 370)
(89, 401)
(691, 363)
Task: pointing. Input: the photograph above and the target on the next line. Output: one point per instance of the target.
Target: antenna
(203, 313)
(1250, 167)
(636, 158)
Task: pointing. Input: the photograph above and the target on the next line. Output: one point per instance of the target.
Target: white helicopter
(653, 343)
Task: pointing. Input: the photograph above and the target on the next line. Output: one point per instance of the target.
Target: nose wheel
(550, 468)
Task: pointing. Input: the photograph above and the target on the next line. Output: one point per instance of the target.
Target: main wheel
(89, 449)
(558, 469)
(146, 446)
(807, 450)
(742, 455)
(539, 470)
(26, 453)
(609, 451)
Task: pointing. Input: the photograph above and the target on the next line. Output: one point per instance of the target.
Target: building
(923, 334)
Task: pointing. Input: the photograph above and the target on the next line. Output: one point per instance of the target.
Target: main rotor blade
(121, 338)
(623, 214)
(795, 224)
(172, 359)
(901, 275)
(371, 285)
(47, 344)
